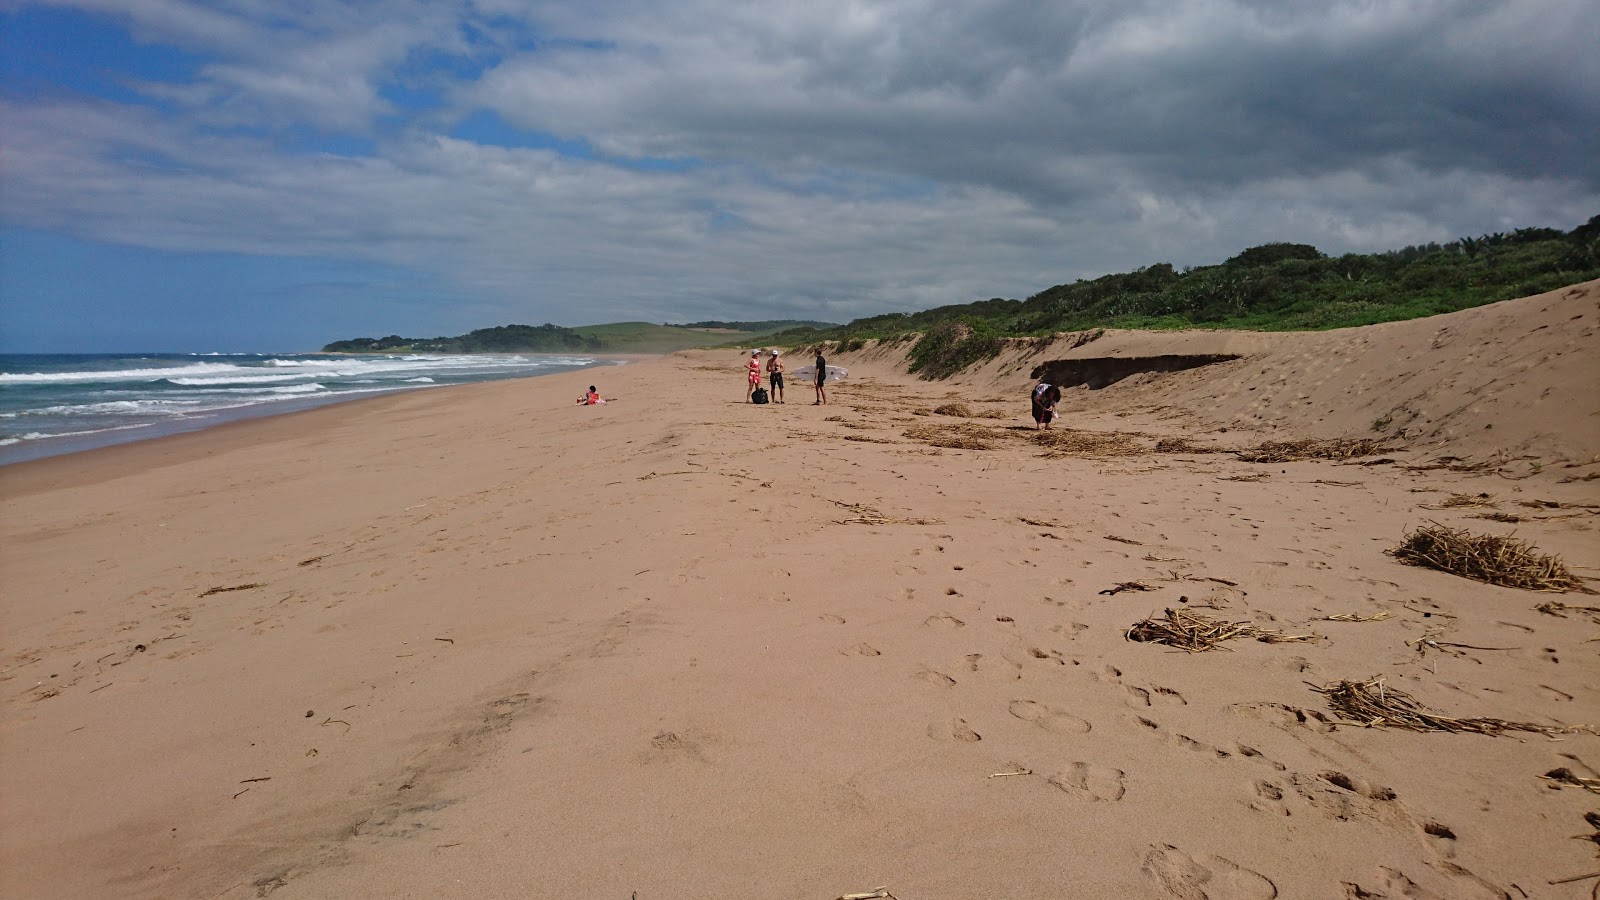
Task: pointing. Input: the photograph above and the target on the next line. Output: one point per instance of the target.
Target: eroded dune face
(1520, 377)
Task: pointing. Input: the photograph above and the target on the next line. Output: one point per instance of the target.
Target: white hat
(756, 352)
(774, 352)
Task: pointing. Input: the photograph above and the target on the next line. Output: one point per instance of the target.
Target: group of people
(1044, 397)
(774, 368)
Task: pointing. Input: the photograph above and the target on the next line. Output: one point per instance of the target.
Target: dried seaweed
(1196, 633)
(1333, 448)
(1356, 617)
(1489, 558)
(1373, 704)
(1062, 442)
(866, 515)
(1184, 445)
(1465, 501)
(1121, 586)
(953, 409)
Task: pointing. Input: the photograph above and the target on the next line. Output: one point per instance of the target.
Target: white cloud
(851, 157)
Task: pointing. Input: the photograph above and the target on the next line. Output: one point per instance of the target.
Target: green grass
(648, 337)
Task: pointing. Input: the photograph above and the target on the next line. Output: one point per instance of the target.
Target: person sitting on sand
(592, 398)
(775, 375)
(822, 377)
(752, 375)
(1045, 398)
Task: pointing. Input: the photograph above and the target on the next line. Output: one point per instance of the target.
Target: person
(592, 398)
(775, 376)
(822, 378)
(1045, 398)
(752, 375)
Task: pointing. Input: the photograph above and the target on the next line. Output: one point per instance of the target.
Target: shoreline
(68, 444)
(492, 643)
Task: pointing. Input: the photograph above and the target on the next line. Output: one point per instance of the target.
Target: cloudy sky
(275, 174)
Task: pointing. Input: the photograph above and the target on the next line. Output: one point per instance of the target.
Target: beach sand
(482, 642)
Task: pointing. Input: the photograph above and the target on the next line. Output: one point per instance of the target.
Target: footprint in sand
(938, 679)
(1204, 877)
(1082, 779)
(944, 620)
(1049, 718)
(865, 649)
(953, 730)
(836, 620)
(1463, 885)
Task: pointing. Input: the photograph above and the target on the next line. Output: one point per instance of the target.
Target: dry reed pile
(1067, 442)
(1334, 448)
(953, 409)
(1490, 558)
(1373, 704)
(1184, 445)
(1197, 633)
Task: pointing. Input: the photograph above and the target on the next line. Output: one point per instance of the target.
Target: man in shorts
(775, 376)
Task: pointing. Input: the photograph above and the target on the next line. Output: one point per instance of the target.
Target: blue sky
(251, 175)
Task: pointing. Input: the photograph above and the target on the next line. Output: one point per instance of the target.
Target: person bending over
(1045, 398)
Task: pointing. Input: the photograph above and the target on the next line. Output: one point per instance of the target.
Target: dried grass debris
(866, 515)
(964, 436)
(1121, 586)
(1464, 501)
(953, 409)
(1196, 633)
(1332, 448)
(1507, 518)
(1564, 775)
(1490, 558)
(1184, 445)
(1559, 610)
(1357, 617)
(1373, 704)
(1064, 442)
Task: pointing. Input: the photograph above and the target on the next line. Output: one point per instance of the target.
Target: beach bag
(759, 396)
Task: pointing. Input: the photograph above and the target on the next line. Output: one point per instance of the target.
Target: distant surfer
(752, 375)
(592, 398)
(775, 375)
(1045, 398)
(822, 378)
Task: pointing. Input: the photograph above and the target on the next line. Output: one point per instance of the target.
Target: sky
(277, 174)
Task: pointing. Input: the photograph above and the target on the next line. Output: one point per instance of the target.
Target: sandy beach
(482, 642)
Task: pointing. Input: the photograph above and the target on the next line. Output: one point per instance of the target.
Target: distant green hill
(617, 337)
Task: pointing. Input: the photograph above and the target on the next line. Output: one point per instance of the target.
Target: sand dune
(479, 642)
(1515, 378)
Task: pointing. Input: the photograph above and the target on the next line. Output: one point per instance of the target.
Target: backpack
(759, 395)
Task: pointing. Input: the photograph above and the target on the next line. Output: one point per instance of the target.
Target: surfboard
(808, 374)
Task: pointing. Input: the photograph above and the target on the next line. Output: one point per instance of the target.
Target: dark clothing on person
(822, 369)
(1045, 398)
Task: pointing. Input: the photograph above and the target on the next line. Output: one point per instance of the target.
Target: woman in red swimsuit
(753, 374)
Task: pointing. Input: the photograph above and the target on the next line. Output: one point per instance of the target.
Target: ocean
(62, 403)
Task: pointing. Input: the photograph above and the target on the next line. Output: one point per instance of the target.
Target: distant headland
(617, 337)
